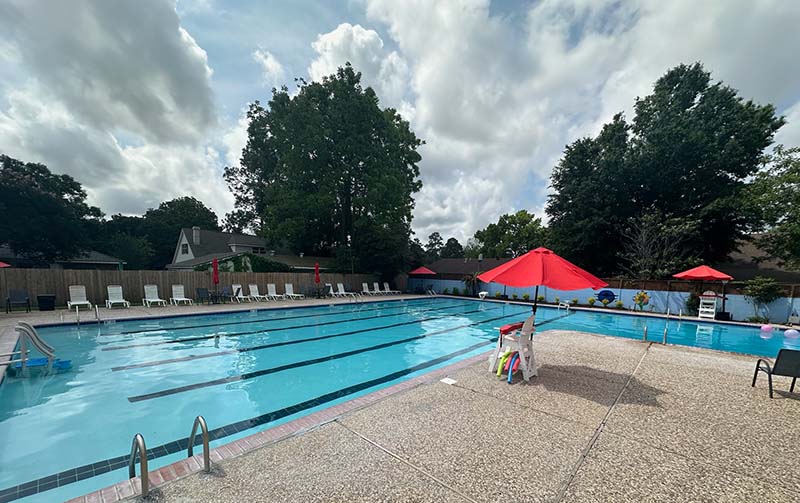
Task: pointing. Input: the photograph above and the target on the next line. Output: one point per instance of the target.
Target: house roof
(464, 266)
(88, 257)
(305, 262)
(750, 261)
(219, 242)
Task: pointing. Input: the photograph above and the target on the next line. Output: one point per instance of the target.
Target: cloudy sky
(142, 101)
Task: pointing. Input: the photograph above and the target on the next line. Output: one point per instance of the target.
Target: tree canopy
(513, 235)
(328, 169)
(688, 153)
(452, 249)
(44, 216)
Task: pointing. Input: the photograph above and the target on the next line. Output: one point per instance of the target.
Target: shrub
(446, 291)
(574, 301)
(557, 300)
(526, 297)
(760, 291)
(620, 304)
(497, 295)
(692, 304)
(466, 292)
(605, 302)
(591, 301)
(514, 296)
(758, 319)
(540, 298)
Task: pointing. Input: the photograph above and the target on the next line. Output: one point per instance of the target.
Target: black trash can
(46, 302)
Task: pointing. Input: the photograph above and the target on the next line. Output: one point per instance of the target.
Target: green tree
(760, 291)
(433, 249)
(653, 247)
(452, 249)
(160, 226)
(513, 235)
(327, 169)
(776, 192)
(690, 150)
(44, 216)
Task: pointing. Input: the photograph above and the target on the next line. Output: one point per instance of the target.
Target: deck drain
(447, 380)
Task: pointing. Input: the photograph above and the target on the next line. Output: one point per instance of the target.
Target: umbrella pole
(535, 304)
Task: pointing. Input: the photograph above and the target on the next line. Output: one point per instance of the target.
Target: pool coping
(194, 464)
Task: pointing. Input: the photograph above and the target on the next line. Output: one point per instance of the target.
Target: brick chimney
(196, 235)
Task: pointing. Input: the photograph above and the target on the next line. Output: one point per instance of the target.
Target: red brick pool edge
(190, 465)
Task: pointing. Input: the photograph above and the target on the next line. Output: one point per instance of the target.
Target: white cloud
(498, 97)
(386, 71)
(271, 68)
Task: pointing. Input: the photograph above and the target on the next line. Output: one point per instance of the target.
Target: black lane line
(260, 320)
(94, 469)
(277, 329)
(287, 343)
(304, 363)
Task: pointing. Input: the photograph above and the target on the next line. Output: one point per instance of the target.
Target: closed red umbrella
(3, 264)
(422, 270)
(215, 271)
(316, 272)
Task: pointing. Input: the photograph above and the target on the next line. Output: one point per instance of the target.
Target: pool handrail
(201, 421)
(139, 446)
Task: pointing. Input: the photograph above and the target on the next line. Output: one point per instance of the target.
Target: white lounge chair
(115, 297)
(289, 289)
(151, 296)
(238, 294)
(388, 290)
(272, 293)
(179, 296)
(376, 289)
(77, 297)
(365, 289)
(342, 293)
(331, 291)
(254, 293)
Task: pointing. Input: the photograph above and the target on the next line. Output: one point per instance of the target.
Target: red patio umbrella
(421, 270)
(3, 264)
(215, 272)
(542, 267)
(316, 272)
(705, 273)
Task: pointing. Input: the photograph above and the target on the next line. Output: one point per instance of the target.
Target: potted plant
(591, 301)
(540, 298)
(557, 300)
(605, 302)
(446, 291)
(574, 301)
(497, 295)
(514, 296)
(620, 304)
(526, 297)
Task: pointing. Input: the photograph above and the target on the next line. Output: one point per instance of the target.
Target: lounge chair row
(376, 289)
(236, 293)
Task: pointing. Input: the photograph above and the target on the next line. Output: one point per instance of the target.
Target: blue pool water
(69, 433)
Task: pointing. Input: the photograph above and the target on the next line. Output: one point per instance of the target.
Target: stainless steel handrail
(200, 420)
(139, 446)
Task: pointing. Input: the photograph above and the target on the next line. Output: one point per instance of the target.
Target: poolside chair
(272, 292)
(178, 296)
(331, 292)
(388, 290)
(254, 293)
(202, 294)
(115, 297)
(289, 289)
(365, 289)
(228, 293)
(238, 294)
(787, 364)
(77, 297)
(19, 298)
(151, 296)
(376, 289)
(342, 293)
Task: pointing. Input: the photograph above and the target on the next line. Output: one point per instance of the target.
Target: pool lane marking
(261, 320)
(94, 469)
(304, 363)
(276, 329)
(289, 342)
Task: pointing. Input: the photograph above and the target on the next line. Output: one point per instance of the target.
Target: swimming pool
(69, 433)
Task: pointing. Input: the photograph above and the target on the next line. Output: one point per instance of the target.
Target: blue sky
(142, 101)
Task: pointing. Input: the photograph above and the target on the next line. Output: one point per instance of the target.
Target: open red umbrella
(705, 273)
(421, 270)
(3, 264)
(215, 271)
(542, 267)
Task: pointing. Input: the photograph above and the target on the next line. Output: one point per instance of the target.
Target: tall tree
(452, 249)
(776, 192)
(689, 152)
(44, 216)
(161, 225)
(326, 169)
(433, 249)
(513, 235)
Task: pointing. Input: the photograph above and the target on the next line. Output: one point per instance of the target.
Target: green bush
(446, 291)
(557, 300)
(760, 291)
(526, 297)
(692, 304)
(758, 319)
(497, 295)
(514, 296)
(620, 304)
(605, 302)
(574, 301)
(465, 292)
(591, 301)
(540, 298)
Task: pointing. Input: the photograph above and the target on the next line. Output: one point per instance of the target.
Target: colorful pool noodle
(508, 361)
(513, 366)
(502, 363)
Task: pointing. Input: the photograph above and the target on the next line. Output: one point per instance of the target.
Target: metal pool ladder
(139, 446)
(200, 421)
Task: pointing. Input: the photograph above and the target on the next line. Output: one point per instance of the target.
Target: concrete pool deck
(607, 419)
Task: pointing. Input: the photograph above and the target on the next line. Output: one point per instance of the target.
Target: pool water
(69, 433)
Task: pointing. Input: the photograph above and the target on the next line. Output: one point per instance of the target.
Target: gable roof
(464, 266)
(87, 257)
(218, 241)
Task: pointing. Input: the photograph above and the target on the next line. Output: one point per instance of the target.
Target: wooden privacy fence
(57, 281)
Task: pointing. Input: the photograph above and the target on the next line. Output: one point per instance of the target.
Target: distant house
(198, 247)
(457, 268)
(751, 261)
(87, 260)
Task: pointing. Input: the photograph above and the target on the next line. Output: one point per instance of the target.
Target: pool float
(502, 363)
(513, 366)
(508, 361)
